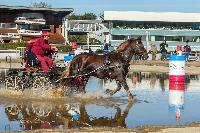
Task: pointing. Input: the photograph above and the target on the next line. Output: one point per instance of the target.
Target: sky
(98, 6)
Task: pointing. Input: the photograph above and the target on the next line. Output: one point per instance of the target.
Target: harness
(87, 74)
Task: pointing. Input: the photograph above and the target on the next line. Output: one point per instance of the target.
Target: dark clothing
(187, 48)
(163, 50)
(163, 47)
(106, 45)
(105, 49)
(187, 51)
(31, 59)
(90, 51)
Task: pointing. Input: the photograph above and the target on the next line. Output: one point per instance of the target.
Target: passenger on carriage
(30, 43)
(40, 48)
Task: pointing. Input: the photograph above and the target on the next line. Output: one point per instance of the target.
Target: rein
(83, 75)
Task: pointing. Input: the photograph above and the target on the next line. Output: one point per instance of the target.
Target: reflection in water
(163, 81)
(162, 78)
(187, 80)
(75, 115)
(153, 79)
(176, 97)
(136, 77)
(72, 115)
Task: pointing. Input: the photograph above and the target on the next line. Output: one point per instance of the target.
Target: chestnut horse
(86, 64)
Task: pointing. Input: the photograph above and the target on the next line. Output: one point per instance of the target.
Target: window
(159, 38)
(32, 15)
(119, 37)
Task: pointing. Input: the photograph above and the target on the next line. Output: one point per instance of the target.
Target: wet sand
(162, 66)
(192, 67)
(191, 128)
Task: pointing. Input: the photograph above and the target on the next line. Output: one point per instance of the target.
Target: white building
(154, 27)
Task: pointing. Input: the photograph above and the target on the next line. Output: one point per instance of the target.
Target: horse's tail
(67, 70)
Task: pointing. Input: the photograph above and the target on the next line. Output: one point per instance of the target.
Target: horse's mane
(124, 45)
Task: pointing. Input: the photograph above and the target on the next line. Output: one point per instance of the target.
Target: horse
(37, 115)
(89, 64)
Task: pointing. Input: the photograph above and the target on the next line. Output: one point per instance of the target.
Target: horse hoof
(108, 91)
(82, 92)
(131, 98)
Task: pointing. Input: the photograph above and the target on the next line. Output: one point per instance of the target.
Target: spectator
(163, 50)
(105, 50)
(187, 50)
(179, 49)
(74, 46)
(90, 50)
(153, 51)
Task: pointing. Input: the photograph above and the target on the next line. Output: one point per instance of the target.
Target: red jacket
(40, 47)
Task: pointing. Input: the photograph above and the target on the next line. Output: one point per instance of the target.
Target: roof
(36, 9)
(6, 30)
(84, 21)
(151, 16)
(57, 39)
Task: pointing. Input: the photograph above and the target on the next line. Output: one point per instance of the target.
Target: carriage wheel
(12, 109)
(14, 82)
(42, 110)
(41, 85)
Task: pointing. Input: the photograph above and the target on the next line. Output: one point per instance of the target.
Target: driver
(40, 48)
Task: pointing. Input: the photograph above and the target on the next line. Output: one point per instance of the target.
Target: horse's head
(138, 47)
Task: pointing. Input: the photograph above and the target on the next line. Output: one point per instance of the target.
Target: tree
(89, 16)
(77, 38)
(101, 16)
(40, 5)
(86, 16)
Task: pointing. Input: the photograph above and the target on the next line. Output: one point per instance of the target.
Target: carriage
(80, 69)
(31, 76)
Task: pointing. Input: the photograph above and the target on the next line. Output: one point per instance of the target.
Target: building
(154, 27)
(95, 31)
(20, 23)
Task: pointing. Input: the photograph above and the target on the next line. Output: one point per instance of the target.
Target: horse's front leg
(122, 80)
(112, 92)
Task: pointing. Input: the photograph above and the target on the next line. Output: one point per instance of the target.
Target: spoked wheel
(41, 85)
(12, 109)
(42, 110)
(14, 83)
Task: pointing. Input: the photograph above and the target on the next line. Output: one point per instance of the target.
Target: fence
(21, 51)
